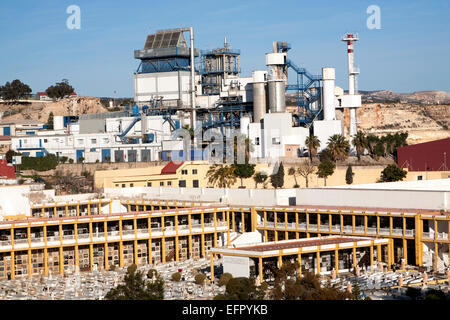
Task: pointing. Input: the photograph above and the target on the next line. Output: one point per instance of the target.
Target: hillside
(431, 97)
(37, 110)
(422, 122)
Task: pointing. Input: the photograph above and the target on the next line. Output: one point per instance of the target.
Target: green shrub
(151, 272)
(176, 276)
(199, 278)
(39, 164)
(224, 278)
(112, 267)
(132, 268)
(70, 160)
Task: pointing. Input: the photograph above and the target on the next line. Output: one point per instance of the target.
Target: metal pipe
(193, 113)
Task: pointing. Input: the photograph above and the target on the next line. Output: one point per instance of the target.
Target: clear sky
(411, 51)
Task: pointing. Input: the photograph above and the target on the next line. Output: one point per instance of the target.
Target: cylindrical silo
(259, 95)
(277, 98)
(328, 77)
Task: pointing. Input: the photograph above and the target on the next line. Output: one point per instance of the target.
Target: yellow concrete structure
(319, 255)
(188, 172)
(26, 246)
(85, 234)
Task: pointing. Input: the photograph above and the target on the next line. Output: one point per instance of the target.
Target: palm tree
(293, 172)
(339, 147)
(222, 175)
(360, 143)
(313, 143)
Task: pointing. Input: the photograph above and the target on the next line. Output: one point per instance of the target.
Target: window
(182, 183)
(80, 141)
(94, 141)
(45, 140)
(149, 184)
(276, 140)
(169, 183)
(161, 184)
(194, 171)
(123, 185)
(117, 185)
(419, 177)
(257, 141)
(184, 172)
(195, 183)
(105, 140)
(131, 184)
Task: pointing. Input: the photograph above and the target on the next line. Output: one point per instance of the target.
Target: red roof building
(6, 170)
(171, 167)
(427, 156)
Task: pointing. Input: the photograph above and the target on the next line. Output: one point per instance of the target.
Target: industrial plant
(179, 86)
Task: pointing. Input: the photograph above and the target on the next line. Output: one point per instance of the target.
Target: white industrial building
(171, 91)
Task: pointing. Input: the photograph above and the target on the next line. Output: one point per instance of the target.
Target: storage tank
(328, 77)
(259, 95)
(277, 98)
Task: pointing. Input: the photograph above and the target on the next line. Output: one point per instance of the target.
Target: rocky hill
(422, 122)
(37, 110)
(433, 97)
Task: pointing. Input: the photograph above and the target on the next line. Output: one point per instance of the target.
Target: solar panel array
(169, 39)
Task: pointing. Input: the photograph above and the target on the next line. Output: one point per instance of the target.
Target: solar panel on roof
(168, 39)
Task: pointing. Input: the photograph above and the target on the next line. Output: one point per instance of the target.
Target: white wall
(237, 266)
(399, 199)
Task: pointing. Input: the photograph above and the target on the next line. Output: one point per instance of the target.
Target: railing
(209, 224)
(302, 226)
(69, 237)
(127, 232)
(183, 227)
(372, 230)
(5, 243)
(169, 228)
(20, 241)
(98, 235)
(359, 229)
(397, 232)
(34, 240)
(222, 224)
(52, 238)
(385, 231)
(142, 231)
(428, 235)
(336, 228)
(113, 233)
(312, 227)
(270, 224)
(291, 226)
(83, 236)
(156, 229)
(409, 233)
(442, 235)
(347, 229)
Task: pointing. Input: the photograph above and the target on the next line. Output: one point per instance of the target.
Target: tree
(60, 90)
(356, 292)
(137, 288)
(176, 276)
(289, 286)
(349, 175)
(199, 278)
(242, 288)
(50, 121)
(293, 172)
(338, 147)
(243, 171)
(433, 294)
(222, 175)
(413, 293)
(305, 170)
(313, 143)
(360, 143)
(14, 90)
(325, 169)
(277, 179)
(225, 278)
(392, 173)
(259, 177)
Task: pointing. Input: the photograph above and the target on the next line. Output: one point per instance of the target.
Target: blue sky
(410, 52)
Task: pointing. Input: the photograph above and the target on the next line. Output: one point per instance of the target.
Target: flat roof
(277, 245)
(295, 246)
